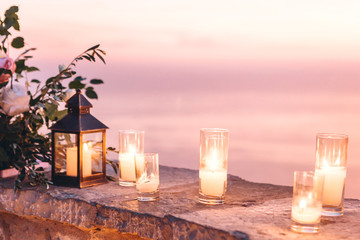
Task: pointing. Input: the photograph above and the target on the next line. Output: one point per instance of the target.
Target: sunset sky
(274, 73)
(183, 31)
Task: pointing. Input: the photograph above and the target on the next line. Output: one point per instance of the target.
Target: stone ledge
(252, 210)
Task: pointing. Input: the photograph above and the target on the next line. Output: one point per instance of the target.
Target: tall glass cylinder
(331, 160)
(306, 204)
(131, 142)
(214, 145)
(147, 176)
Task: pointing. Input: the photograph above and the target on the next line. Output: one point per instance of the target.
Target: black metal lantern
(78, 146)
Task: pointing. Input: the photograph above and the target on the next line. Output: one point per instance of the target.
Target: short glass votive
(306, 204)
(331, 159)
(147, 176)
(214, 144)
(131, 142)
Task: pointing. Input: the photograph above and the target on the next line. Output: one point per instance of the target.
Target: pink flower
(7, 63)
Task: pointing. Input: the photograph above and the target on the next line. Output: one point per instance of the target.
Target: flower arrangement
(26, 106)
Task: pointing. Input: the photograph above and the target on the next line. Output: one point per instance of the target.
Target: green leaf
(60, 114)
(18, 42)
(34, 101)
(32, 69)
(76, 85)
(101, 58)
(96, 81)
(91, 94)
(92, 48)
(35, 81)
(20, 66)
(11, 11)
(16, 25)
(79, 78)
(90, 56)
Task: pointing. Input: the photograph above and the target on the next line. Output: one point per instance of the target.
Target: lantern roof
(78, 101)
(78, 118)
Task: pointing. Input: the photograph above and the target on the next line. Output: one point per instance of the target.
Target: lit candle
(213, 177)
(302, 213)
(127, 165)
(334, 180)
(148, 185)
(71, 161)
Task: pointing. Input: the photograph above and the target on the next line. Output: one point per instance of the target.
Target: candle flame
(302, 204)
(132, 149)
(86, 146)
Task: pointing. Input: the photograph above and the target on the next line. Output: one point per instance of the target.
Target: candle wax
(71, 161)
(212, 182)
(148, 185)
(334, 180)
(127, 167)
(306, 215)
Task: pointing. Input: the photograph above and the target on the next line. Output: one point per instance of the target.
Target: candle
(212, 182)
(71, 161)
(334, 180)
(302, 213)
(213, 177)
(148, 185)
(214, 144)
(127, 164)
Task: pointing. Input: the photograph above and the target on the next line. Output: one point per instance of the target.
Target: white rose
(14, 101)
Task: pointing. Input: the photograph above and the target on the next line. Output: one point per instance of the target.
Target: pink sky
(274, 72)
(196, 31)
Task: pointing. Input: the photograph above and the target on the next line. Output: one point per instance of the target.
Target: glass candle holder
(131, 142)
(306, 204)
(147, 176)
(214, 144)
(331, 158)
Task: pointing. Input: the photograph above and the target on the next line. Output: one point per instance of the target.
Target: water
(173, 68)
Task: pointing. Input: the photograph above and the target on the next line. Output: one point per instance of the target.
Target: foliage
(21, 144)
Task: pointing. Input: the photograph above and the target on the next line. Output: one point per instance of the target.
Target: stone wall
(251, 211)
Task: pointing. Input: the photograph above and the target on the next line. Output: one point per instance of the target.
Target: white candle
(71, 161)
(212, 182)
(148, 185)
(303, 214)
(127, 166)
(213, 177)
(334, 180)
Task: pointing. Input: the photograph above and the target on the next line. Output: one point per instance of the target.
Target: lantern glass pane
(66, 154)
(94, 143)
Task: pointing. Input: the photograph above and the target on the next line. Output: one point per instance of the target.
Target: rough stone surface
(251, 211)
(13, 227)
